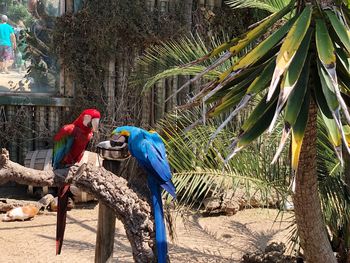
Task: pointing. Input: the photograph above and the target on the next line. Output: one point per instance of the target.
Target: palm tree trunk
(308, 214)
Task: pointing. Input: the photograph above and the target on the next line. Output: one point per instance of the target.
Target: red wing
(66, 130)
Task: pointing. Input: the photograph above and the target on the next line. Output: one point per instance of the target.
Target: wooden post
(105, 234)
(105, 225)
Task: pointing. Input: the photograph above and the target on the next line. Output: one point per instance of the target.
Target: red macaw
(69, 146)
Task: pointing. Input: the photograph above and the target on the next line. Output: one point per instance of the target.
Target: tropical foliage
(16, 11)
(313, 44)
(268, 5)
(295, 57)
(36, 44)
(19, 12)
(200, 170)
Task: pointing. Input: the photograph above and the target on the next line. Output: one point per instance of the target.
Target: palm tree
(301, 68)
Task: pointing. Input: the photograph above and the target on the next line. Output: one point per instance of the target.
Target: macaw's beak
(94, 123)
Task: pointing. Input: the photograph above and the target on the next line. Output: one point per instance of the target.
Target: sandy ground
(9, 82)
(199, 239)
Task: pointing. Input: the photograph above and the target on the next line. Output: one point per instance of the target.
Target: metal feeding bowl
(114, 149)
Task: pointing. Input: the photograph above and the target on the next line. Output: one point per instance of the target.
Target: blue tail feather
(161, 241)
(170, 188)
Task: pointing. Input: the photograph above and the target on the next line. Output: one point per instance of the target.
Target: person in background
(7, 44)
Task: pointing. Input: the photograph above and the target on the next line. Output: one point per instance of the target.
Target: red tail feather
(61, 216)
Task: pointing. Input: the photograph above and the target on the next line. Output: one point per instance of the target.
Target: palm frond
(201, 173)
(268, 5)
(167, 59)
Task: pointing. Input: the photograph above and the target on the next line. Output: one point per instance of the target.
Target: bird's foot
(80, 171)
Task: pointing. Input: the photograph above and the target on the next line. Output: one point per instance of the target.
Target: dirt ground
(199, 239)
(9, 82)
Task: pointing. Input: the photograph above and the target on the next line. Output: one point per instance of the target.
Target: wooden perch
(11, 171)
(7, 204)
(130, 208)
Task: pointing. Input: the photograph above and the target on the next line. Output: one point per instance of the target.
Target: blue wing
(157, 165)
(158, 144)
(149, 150)
(63, 142)
(156, 161)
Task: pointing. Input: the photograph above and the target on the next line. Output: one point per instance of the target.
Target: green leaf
(343, 62)
(328, 89)
(296, 66)
(244, 77)
(236, 45)
(229, 101)
(258, 111)
(334, 135)
(332, 100)
(285, 134)
(326, 54)
(177, 71)
(257, 31)
(268, 5)
(340, 29)
(325, 48)
(298, 131)
(296, 98)
(321, 100)
(259, 51)
(256, 128)
(290, 46)
(263, 79)
(255, 87)
(292, 76)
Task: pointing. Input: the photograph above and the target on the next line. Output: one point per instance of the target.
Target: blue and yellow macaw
(149, 150)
